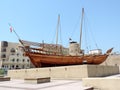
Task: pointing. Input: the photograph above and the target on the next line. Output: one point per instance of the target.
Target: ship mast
(57, 29)
(57, 33)
(81, 27)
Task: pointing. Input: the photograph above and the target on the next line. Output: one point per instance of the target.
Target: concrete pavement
(15, 84)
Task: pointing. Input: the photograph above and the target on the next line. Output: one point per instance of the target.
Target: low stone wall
(102, 83)
(101, 70)
(65, 72)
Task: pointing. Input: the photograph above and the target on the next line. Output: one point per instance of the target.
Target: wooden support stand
(37, 80)
(2, 78)
(89, 88)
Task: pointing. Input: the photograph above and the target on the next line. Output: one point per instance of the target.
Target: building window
(27, 66)
(4, 44)
(3, 56)
(3, 60)
(12, 66)
(23, 66)
(27, 60)
(6, 66)
(17, 60)
(3, 66)
(17, 54)
(3, 50)
(17, 67)
(23, 60)
(12, 54)
(12, 50)
(13, 59)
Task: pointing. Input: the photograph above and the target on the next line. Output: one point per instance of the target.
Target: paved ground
(15, 84)
(53, 85)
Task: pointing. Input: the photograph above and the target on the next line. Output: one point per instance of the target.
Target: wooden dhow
(48, 55)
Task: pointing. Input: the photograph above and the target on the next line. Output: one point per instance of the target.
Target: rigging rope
(86, 37)
(75, 27)
(92, 35)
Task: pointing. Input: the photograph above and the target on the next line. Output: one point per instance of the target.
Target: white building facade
(11, 57)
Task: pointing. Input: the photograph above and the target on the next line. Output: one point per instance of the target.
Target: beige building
(11, 57)
(113, 59)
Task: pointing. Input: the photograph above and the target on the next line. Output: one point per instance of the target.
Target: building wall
(113, 59)
(11, 57)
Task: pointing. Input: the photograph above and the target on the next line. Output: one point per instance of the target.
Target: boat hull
(40, 60)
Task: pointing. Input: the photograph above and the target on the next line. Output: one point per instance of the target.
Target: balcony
(4, 44)
(3, 50)
(3, 56)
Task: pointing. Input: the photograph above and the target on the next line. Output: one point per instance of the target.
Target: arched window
(23, 60)
(27, 60)
(17, 60)
(17, 54)
(12, 50)
(12, 66)
(13, 59)
(17, 67)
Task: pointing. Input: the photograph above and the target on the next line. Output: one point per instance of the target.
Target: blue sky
(36, 20)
